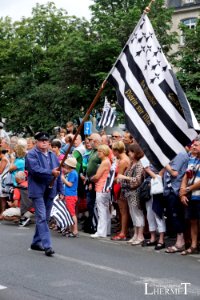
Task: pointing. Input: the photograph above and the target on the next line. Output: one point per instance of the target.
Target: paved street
(89, 269)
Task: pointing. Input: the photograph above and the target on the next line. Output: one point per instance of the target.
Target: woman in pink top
(102, 198)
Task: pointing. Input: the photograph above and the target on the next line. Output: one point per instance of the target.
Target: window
(191, 24)
(189, 1)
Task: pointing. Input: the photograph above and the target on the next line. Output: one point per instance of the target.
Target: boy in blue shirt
(70, 180)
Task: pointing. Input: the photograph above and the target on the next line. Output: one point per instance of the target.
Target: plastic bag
(156, 185)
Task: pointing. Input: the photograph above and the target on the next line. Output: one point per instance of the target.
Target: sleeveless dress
(2, 194)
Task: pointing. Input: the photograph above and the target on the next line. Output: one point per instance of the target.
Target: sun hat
(71, 162)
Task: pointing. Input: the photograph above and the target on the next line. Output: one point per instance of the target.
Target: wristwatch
(187, 189)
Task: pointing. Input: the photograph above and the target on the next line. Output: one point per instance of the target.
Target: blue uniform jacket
(39, 169)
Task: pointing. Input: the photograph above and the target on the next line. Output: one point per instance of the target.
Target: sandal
(148, 243)
(137, 242)
(119, 237)
(160, 246)
(175, 249)
(72, 235)
(189, 251)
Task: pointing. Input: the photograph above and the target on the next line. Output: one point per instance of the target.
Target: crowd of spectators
(118, 212)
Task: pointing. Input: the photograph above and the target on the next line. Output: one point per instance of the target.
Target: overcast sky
(18, 8)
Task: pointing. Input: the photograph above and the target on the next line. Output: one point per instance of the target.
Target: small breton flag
(110, 179)
(60, 213)
(108, 117)
(157, 112)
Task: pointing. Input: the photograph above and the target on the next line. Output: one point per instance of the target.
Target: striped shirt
(194, 165)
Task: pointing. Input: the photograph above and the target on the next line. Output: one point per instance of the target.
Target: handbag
(156, 185)
(145, 191)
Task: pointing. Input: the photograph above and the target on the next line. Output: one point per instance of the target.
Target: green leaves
(188, 64)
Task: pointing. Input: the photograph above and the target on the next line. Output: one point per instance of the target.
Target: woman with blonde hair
(102, 198)
(17, 163)
(123, 162)
(4, 167)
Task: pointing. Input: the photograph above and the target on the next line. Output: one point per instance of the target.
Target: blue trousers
(175, 212)
(42, 207)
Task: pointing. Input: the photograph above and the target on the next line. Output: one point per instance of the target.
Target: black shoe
(36, 247)
(148, 243)
(160, 246)
(24, 222)
(72, 235)
(49, 252)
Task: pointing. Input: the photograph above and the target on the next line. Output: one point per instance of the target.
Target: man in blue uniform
(42, 164)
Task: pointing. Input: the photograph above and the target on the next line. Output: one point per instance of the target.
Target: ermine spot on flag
(157, 112)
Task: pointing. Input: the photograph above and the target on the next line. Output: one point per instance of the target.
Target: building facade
(186, 12)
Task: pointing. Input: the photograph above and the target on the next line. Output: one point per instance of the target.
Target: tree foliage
(188, 64)
(52, 64)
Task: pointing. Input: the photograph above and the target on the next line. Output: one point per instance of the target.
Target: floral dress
(129, 188)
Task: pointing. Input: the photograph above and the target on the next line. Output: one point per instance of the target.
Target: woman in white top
(4, 167)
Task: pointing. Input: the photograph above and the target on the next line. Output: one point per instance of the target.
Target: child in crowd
(56, 146)
(70, 180)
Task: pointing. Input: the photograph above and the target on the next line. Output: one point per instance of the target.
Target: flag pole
(96, 98)
(148, 8)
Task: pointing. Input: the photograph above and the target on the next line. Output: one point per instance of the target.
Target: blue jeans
(42, 207)
(175, 212)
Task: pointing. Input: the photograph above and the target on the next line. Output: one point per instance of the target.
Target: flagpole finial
(148, 8)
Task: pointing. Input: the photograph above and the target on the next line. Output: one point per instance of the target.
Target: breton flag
(60, 213)
(111, 176)
(157, 112)
(108, 117)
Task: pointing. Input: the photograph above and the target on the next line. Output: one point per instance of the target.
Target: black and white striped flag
(108, 117)
(157, 112)
(61, 214)
(110, 179)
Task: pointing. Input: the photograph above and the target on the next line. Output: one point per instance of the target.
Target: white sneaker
(132, 239)
(137, 242)
(96, 236)
(25, 222)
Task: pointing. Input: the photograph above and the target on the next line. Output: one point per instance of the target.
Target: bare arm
(3, 164)
(123, 165)
(13, 204)
(150, 172)
(102, 168)
(66, 182)
(12, 168)
(171, 171)
(183, 192)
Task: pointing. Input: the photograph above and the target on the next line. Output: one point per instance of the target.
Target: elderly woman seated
(14, 212)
